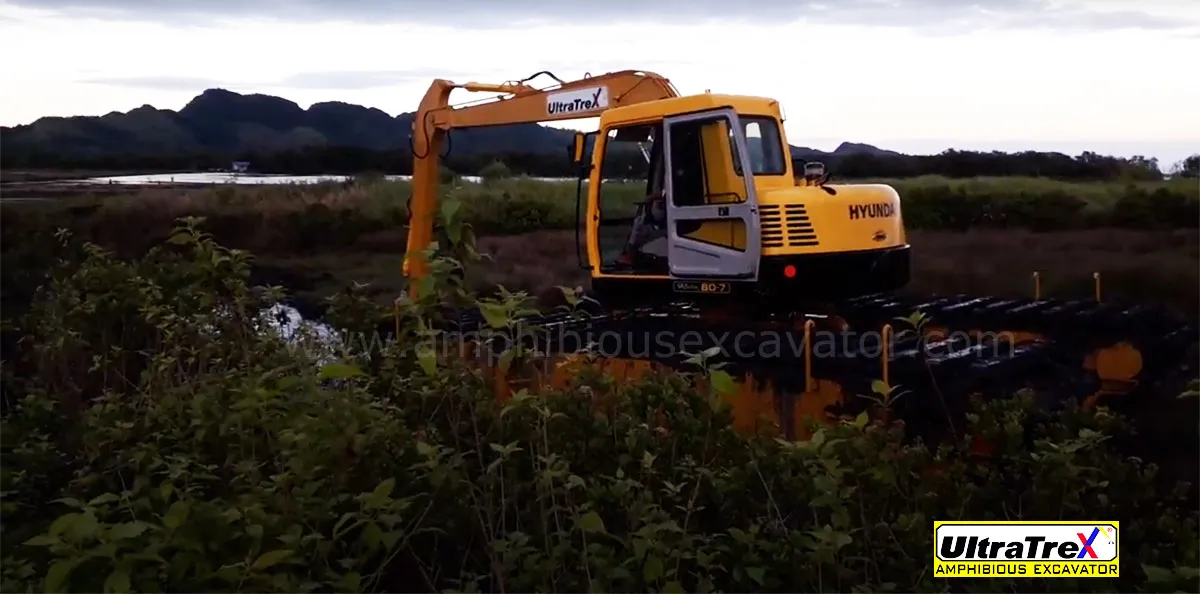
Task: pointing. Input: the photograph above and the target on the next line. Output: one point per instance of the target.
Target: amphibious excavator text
(754, 258)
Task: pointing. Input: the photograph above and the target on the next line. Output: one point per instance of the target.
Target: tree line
(343, 160)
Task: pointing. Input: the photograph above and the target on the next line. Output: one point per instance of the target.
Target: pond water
(314, 338)
(288, 323)
(223, 178)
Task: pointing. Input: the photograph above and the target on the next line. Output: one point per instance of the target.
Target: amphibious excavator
(739, 228)
(794, 281)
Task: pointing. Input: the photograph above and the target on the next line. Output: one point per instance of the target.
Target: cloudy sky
(1114, 76)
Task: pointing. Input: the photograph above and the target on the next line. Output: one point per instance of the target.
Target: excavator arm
(519, 104)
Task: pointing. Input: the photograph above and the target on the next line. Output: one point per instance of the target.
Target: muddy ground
(1161, 267)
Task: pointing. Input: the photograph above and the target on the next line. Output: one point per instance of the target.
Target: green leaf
(506, 360)
(127, 530)
(647, 459)
(42, 541)
(842, 540)
(56, 576)
(427, 359)
(70, 501)
(862, 419)
(454, 231)
(722, 382)
(494, 314)
(266, 560)
(85, 526)
(372, 535)
(673, 588)
(351, 581)
(817, 438)
(176, 514)
(105, 498)
(571, 296)
(382, 492)
(468, 240)
(756, 574)
(339, 371)
(337, 528)
(591, 522)
(449, 209)
(653, 569)
(1157, 575)
(61, 523)
(880, 387)
(118, 581)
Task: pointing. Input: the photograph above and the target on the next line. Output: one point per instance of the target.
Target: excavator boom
(518, 104)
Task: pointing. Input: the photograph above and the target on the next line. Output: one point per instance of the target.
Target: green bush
(957, 208)
(1045, 205)
(448, 176)
(160, 440)
(1157, 209)
(494, 171)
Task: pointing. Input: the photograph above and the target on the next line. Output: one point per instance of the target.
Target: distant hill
(221, 121)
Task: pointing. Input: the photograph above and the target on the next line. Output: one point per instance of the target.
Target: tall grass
(302, 218)
(489, 198)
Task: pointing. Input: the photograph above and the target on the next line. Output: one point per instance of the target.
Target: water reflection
(313, 339)
(222, 178)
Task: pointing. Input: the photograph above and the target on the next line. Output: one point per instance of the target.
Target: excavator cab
(739, 224)
(693, 163)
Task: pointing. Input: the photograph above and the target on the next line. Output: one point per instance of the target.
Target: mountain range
(223, 122)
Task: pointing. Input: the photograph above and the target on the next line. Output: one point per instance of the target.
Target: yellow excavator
(743, 234)
(740, 225)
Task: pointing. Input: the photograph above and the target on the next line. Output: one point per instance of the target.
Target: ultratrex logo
(1028, 549)
(577, 101)
(878, 210)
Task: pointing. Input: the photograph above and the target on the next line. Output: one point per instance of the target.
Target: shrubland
(157, 436)
(307, 218)
(982, 236)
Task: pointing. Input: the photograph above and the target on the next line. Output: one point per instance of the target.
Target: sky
(918, 76)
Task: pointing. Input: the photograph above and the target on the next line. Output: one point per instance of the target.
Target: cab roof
(743, 104)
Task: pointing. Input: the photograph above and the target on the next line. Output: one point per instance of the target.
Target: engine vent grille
(787, 225)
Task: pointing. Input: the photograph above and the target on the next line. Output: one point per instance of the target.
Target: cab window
(764, 144)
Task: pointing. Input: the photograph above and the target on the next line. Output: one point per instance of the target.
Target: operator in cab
(649, 224)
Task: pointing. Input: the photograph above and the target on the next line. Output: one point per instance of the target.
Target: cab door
(713, 228)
